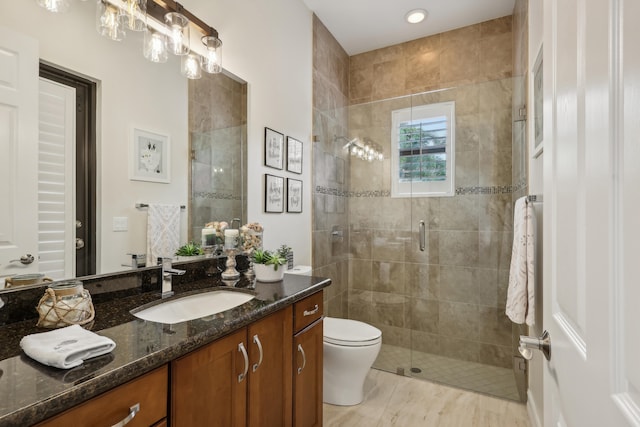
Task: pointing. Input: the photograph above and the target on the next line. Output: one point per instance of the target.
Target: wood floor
(394, 400)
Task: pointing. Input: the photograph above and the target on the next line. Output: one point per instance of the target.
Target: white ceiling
(364, 25)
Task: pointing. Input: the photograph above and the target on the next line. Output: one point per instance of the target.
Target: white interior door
(18, 148)
(56, 180)
(591, 209)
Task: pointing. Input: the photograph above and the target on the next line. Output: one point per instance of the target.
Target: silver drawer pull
(132, 413)
(246, 362)
(304, 358)
(257, 342)
(310, 312)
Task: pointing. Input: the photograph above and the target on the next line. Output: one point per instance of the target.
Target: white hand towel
(163, 232)
(521, 292)
(66, 348)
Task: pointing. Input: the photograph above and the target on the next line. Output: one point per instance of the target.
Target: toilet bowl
(350, 348)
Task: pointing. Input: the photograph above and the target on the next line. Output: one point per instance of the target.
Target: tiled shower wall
(330, 167)
(217, 133)
(448, 300)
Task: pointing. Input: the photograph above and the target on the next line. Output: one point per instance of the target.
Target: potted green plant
(267, 265)
(188, 251)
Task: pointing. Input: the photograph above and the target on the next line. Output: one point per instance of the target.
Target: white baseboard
(532, 409)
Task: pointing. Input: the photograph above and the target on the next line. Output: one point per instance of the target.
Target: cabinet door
(270, 372)
(307, 376)
(207, 386)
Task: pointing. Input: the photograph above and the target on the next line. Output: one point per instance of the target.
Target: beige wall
(471, 54)
(448, 300)
(330, 174)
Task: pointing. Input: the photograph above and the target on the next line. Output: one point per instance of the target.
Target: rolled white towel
(66, 348)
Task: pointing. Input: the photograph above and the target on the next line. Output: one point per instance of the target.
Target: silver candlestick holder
(230, 272)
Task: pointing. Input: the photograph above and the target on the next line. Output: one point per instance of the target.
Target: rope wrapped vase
(65, 304)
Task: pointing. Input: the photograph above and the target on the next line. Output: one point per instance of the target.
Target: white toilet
(350, 348)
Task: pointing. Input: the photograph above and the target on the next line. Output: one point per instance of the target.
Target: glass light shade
(134, 14)
(190, 66)
(178, 41)
(108, 22)
(54, 5)
(155, 46)
(212, 61)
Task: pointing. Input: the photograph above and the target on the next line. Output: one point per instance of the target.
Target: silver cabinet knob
(528, 343)
(79, 243)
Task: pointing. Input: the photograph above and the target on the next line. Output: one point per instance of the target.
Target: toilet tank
(302, 270)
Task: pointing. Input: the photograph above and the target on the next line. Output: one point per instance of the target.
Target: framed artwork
(149, 157)
(294, 195)
(273, 148)
(294, 155)
(273, 193)
(537, 105)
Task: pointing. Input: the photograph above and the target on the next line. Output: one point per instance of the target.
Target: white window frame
(444, 188)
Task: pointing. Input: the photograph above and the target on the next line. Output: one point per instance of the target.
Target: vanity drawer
(307, 311)
(148, 391)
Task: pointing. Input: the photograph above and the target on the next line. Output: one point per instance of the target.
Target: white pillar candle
(208, 236)
(231, 238)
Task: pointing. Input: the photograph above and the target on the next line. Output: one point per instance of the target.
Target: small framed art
(273, 148)
(149, 157)
(273, 193)
(294, 155)
(294, 195)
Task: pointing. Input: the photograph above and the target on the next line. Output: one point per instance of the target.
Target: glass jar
(65, 303)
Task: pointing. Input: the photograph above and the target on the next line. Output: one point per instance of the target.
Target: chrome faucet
(167, 273)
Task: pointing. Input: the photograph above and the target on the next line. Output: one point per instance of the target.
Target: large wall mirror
(202, 124)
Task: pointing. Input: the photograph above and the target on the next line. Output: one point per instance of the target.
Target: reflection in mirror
(218, 129)
(206, 124)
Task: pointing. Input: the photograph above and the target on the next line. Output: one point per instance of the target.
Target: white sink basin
(193, 306)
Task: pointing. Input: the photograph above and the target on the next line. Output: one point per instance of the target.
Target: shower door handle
(423, 236)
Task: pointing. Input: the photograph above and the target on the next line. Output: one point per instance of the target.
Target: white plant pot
(266, 273)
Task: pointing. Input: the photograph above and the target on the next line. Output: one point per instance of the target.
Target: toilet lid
(350, 332)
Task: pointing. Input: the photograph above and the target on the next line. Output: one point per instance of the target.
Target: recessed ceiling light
(415, 16)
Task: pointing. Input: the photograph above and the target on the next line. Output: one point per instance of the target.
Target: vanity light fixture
(55, 6)
(190, 66)
(166, 24)
(108, 21)
(364, 150)
(134, 14)
(416, 16)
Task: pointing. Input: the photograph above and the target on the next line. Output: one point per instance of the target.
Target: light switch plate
(120, 223)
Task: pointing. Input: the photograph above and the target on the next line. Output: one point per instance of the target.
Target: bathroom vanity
(259, 364)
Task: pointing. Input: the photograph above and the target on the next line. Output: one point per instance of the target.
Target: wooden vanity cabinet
(148, 391)
(308, 362)
(217, 386)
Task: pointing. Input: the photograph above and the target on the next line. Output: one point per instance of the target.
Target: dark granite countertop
(31, 392)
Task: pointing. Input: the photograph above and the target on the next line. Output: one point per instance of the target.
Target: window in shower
(422, 155)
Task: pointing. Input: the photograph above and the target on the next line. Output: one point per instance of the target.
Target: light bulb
(178, 25)
(212, 61)
(108, 23)
(55, 6)
(155, 46)
(191, 66)
(134, 14)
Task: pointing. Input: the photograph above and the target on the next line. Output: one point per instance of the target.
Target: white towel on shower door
(163, 232)
(521, 293)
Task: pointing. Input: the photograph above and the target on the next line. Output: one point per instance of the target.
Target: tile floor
(396, 401)
(492, 380)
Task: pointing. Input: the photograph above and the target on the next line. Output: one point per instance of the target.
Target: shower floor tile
(492, 380)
